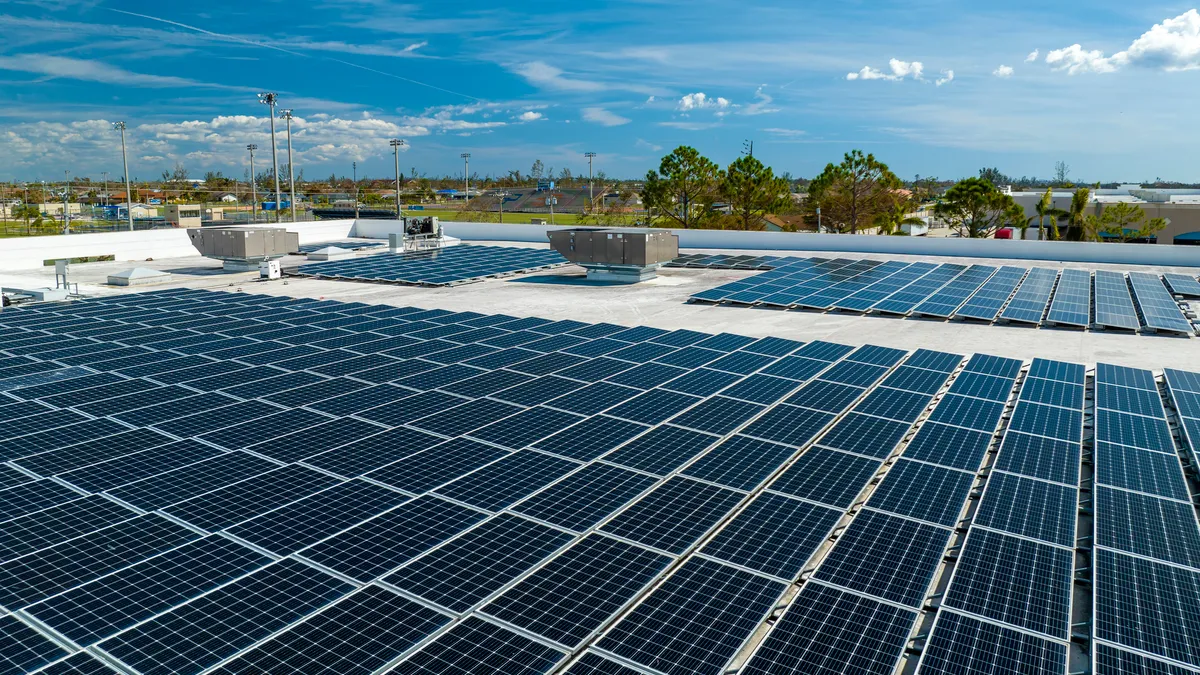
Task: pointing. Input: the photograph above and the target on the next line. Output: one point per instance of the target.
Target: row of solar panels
(437, 267)
(977, 292)
(720, 445)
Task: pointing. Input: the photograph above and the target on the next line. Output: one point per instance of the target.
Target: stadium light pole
(286, 114)
(590, 156)
(105, 175)
(269, 99)
(466, 158)
(120, 126)
(253, 188)
(396, 144)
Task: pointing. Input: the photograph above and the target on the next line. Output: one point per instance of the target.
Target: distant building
(1180, 208)
(183, 215)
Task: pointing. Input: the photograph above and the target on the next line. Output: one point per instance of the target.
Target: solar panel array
(207, 481)
(1146, 580)
(437, 267)
(348, 244)
(1037, 296)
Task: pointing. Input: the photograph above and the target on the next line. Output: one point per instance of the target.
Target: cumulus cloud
(219, 142)
(899, 71)
(1172, 45)
(1003, 71)
(530, 116)
(1033, 56)
(946, 78)
(701, 101)
(603, 117)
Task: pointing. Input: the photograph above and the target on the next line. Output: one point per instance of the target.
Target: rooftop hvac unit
(622, 255)
(243, 248)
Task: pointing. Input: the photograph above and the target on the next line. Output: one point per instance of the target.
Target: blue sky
(931, 87)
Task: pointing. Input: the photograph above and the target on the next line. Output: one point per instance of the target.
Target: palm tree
(1045, 209)
(894, 219)
(1075, 216)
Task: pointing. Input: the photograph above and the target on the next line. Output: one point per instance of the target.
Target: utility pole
(105, 175)
(286, 114)
(396, 144)
(466, 158)
(120, 126)
(268, 99)
(253, 188)
(355, 167)
(748, 147)
(502, 194)
(591, 198)
(66, 208)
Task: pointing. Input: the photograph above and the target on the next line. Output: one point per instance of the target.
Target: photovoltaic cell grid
(978, 292)
(441, 267)
(1147, 569)
(340, 522)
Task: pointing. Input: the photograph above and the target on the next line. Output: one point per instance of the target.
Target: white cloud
(1171, 45)
(604, 117)
(647, 145)
(946, 78)
(1033, 56)
(761, 106)
(701, 101)
(543, 74)
(689, 126)
(530, 116)
(899, 71)
(1003, 71)
(785, 133)
(93, 71)
(415, 46)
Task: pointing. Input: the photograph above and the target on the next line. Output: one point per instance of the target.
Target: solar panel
(1015, 581)
(886, 556)
(824, 629)
(966, 412)
(23, 649)
(1133, 469)
(774, 534)
(930, 493)
(587, 497)
(1052, 392)
(826, 396)
(945, 301)
(1148, 606)
(1183, 284)
(592, 437)
(1109, 660)
(696, 621)
(441, 267)
(1031, 508)
(950, 446)
(1148, 526)
(507, 480)
(662, 450)
(1045, 420)
(477, 646)
(374, 547)
(94, 611)
(1114, 305)
(740, 462)
(218, 625)
(827, 476)
(964, 645)
(789, 425)
(475, 565)
(1159, 309)
(865, 435)
(575, 593)
(1028, 305)
(674, 515)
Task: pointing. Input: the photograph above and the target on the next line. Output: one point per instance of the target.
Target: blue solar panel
(1072, 303)
(931, 493)
(1029, 303)
(961, 644)
(1031, 508)
(1114, 305)
(1159, 309)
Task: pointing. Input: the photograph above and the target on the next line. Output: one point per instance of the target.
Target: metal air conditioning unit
(243, 248)
(620, 255)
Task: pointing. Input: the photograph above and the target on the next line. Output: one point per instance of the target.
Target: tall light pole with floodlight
(354, 168)
(253, 187)
(66, 208)
(590, 156)
(396, 144)
(466, 158)
(286, 114)
(269, 99)
(120, 126)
